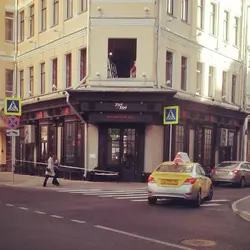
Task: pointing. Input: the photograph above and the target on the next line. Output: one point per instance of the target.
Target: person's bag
(48, 169)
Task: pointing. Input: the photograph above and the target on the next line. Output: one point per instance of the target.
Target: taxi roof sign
(181, 157)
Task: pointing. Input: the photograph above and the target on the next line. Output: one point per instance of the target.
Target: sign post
(170, 117)
(13, 110)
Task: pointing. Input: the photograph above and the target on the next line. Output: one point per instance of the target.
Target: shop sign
(121, 106)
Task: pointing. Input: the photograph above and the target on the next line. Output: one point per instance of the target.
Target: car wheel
(152, 200)
(242, 182)
(198, 201)
(210, 194)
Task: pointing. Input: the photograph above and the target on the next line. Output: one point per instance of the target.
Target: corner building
(7, 66)
(95, 76)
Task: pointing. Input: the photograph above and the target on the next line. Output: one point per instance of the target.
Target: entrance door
(122, 150)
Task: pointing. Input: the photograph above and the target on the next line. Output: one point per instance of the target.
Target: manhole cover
(199, 243)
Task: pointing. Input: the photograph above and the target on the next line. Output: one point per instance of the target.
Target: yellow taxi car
(180, 179)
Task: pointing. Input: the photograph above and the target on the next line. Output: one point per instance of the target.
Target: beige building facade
(95, 75)
(7, 52)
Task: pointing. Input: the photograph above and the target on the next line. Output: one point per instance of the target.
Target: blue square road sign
(12, 106)
(171, 115)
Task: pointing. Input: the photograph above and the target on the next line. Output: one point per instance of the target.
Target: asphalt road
(44, 219)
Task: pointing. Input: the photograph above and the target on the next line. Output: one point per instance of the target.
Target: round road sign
(12, 122)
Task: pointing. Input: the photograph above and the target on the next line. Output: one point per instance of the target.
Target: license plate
(169, 182)
(221, 172)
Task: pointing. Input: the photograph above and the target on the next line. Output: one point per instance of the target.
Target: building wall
(69, 36)
(198, 45)
(6, 62)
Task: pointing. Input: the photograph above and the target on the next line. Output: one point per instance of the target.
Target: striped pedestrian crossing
(134, 195)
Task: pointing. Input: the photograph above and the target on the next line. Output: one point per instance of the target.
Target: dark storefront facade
(209, 134)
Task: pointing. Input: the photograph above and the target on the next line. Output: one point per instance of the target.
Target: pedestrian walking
(50, 171)
(56, 170)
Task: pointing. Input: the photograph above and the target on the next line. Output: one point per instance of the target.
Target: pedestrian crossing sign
(171, 115)
(12, 106)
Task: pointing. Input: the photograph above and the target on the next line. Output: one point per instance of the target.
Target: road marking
(218, 200)
(144, 238)
(79, 221)
(57, 216)
(140, 200)
(210, 205)
(234, 205)
(124, 195)
(39, 212)
(23, 208)
(130, 197)
(9, 205)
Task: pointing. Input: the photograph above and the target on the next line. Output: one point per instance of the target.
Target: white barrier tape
(69, 167)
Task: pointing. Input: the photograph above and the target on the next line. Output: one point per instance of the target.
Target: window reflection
(44, 143)
(113, 146)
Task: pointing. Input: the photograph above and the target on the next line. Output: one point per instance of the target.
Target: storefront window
(43, 143)
(69, 142)
(179, 138)
(231, 136)
(207, 147)
(114, 146)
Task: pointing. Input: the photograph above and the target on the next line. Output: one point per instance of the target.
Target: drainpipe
(87, 48)
(245, 137)
(85, 133)
(158, 15)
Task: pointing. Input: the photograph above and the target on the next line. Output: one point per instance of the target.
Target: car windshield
(228, 165)
(175, 168)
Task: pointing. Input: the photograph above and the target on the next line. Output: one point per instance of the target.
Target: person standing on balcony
(133, 71)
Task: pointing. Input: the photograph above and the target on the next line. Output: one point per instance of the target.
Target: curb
(243, 214)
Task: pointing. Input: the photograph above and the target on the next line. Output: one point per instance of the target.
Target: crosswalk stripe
(104, 192)
(218, 200)
(143, 200)
(122, 195)
(129, 197)
(210, 205)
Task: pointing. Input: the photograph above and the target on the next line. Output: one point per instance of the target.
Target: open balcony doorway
(122, 58)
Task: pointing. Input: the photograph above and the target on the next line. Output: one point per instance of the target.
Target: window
(211, 81)
(179, 138)
(233, 94)
(43, 15)
(225, 26)
(69, 142)
(199, 77)
(169, 68)
(69, 9)
(184, 73)
(83, 5)
(21, 83)
(31, 80)
(184, 10)
(44, 143)
(54, 74)
(55, 12)
(68, 70)
(224, 84)
(236, 31)
(9, 73)
(32, 20)
(21, 24)
(42, 68)
(212, 19)
(83, 63)
(170, 7)
(9, 26)
(200, 11)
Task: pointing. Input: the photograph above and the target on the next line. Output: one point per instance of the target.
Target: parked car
(231, 172)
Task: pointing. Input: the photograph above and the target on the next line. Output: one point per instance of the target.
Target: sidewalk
(242, 208)
(28, 181)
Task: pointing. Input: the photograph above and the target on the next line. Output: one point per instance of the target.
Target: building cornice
(122, 21)
(123, 1)
(55, 43)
